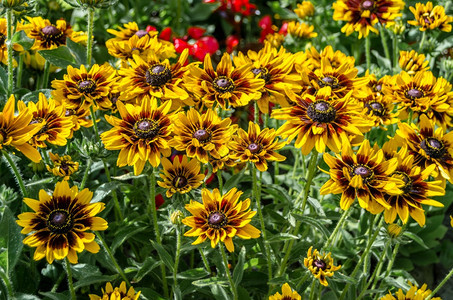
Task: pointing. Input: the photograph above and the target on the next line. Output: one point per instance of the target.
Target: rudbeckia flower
(117, 293)
(414, 293)
(287, 293)
(428, 17)
(62, 166)
(320, 265)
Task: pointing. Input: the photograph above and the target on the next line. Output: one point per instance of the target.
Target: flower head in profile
(142, 134)
(257, 146)
(62, 166)
(59, 223)
(16, 131)
(129, 30)
(50, 36)
(220, 218)
(301, 30)
(287, 292)
(80, 87)
(413, 62)
(429, 17)
(414, 293)
(180, 176)
(117, 293)
(305, 9)
(320, 265)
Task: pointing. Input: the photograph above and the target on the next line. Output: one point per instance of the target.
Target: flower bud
(176, 217)
(394, 230)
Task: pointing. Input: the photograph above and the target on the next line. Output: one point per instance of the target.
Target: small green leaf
(149, 265)
(89, 280)
(164, 255)
(81, 270)
(123, 235)
(34, 95)
(77, 50)
(56, 296)
(10, 241)
(60, 57)
(415, 238)
(3, 81)
(22, 39)
(210, 281)
(315, 222)
(193, 274)
(103, 190)
(239, 268)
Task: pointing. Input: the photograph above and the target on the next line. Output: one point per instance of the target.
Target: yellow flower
(275, 40)
(305, 9)
(129, 30)
(413, 62)
(63, 166)
(320, 265)
(12, 3)
(180, 176)
(287, 293)
(139, 46)
(220, 218)
(142, 134)
(301, 30)
(119, 293)
(3, 50)
(16, 131)
(60, 222)
(414, 293)
(428, 17)
(394, 230)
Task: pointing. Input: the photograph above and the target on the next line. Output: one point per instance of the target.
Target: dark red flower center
(433, 147)
(158, 75)
(223, 84)
(64, 167)
(217, 219)
(254, 148)
(263, 73)
(38, 120)
(69, 112)
(321, 111)
(407, 188)
(146, 129)
(363, 171)
(378, 87)
(179, 181)
(320, 264)
(86, 86)
(2, 39)
(414, 93)
(367, 4)
(51, 30)
(376, 107)
(202, 135)
(141, 33)
(59, 221)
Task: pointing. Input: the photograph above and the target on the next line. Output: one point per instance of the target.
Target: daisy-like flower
(287, 292)
(60, 222)
(428, 17)
(363, 16)
(50, 36)
(365, 175)
(414, 293)
(305, 9)
(117, 293)
(227, 85)
(319, 122)
(275, 40)
(220, 218)
(16, 131)
(275, 68)
(3, 50)
(219, 163)
(257, 146)
(142, 134)
(152, 77)
(320, 265)
(429, 146)
(56, 127)
(129, 30)
(85, 88)
(301, 30)
(415, 191)
(312, 58)
(180, 176)
(413, 62)
(62, 166)
(79, 118)
(201, 135)
(380, 110)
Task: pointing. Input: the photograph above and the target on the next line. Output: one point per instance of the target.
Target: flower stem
(256, 195)
(299, 284)
(384, 43)
(362, 257)
(9, 49)
(9, 286)
(220, 179)
(227, 271)
(368, 52)
(95, 125)
(112, 258)
(395, 52)
(420, 46)
(389, 266)
(70, 282)
(312, 289)
(178, 252)
(339, 225)
(118, 213)
(20, 69)
(441, 284)
(205, 260)
(90, 26)
(45, 75)
(85, 175)
(19, 179)
(153, 212)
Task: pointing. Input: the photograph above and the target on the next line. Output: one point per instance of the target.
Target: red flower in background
(232, 41)
(197, 44)
(243, 7)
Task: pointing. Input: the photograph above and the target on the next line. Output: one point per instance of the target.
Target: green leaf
(26, 297)
(123, 235)
(103, 190)
(3, 81)
(164, 255)
(56, 296)
(82, 270)
(89, 280)
(78, 51)
(210, 281)
(219, 292)
(60, 57)
(149, 265)
(34, 95)
(315, 222)
(10, 241)
(239, 268)
(415, 238)
(128, 176)
(193, 274)
(202, 11)
(22, 39)
(233, 180)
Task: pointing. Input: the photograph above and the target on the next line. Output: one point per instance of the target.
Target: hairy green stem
(343, 217)
(45, 75)
(19, 179)
(368, 52)
(112, 258)
(20, 70)
(205, 260)
(384, 43)
(85, 175)
(118, 213)
(303, 279)
(227, 271)
(178, 253)
(90, 27)
(441, 284)
(70, 282)
(9, 49)
(396, 53)
(220, 179)
(95, 125)
(422, 42)
(57, 283)
(8, 284)
(312, 289)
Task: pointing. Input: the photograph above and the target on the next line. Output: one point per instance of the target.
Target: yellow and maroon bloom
(56, 126)
(414, 293)
(3, 50)
(60, 222)
(380, 110)
(301, 30)
(320, 122)
(257, 146)
(119, 293)
(129, 30)
(16, 131)
(320, 265)
(429, 146)
(152, 77)
(428, 17)
(62, 166)
(287, 292)
(415, 190)
(304, 9)
(180, 176)
(85, 88)
(227, 86)
(203, 135)
(413, 62)
(220, 218)
(50, 36)
(142, 134)
(219, 163)
(363, 16)
(80, 118)
(312, 59)
(365, 175)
